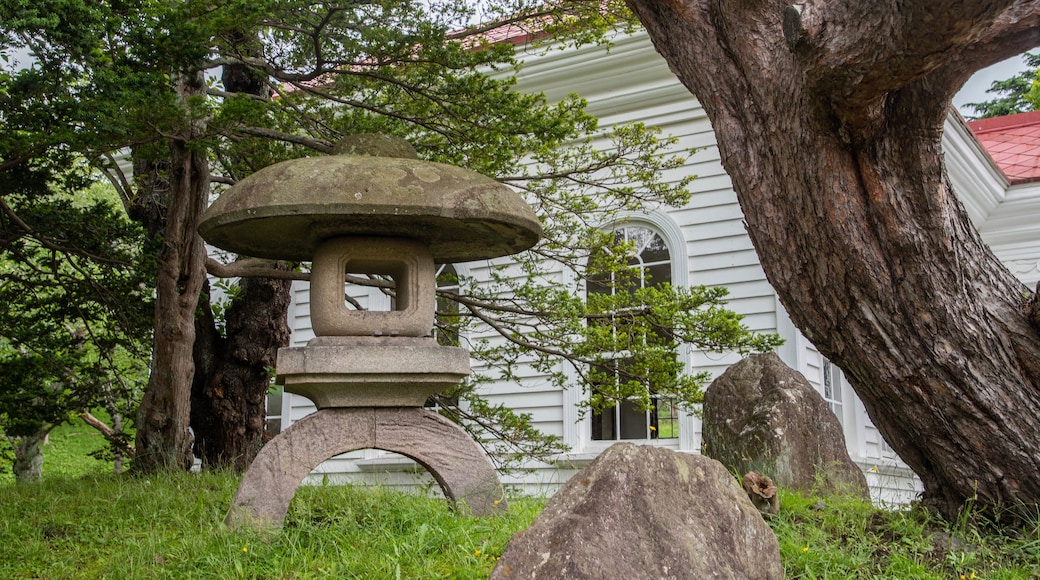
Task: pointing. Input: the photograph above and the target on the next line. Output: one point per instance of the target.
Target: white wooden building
(707, 244)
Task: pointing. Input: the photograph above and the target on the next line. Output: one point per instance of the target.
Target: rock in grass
(644, 512)
(762, 415)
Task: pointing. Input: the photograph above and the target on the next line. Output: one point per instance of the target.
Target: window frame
(577, 427)
(626, 421)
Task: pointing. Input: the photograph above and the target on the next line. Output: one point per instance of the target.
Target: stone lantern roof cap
(286, 210)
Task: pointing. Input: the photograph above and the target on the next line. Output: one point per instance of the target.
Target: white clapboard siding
(710, 231)
(709, 244)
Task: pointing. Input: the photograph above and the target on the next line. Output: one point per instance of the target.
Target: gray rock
(645, 512)
(761, 415)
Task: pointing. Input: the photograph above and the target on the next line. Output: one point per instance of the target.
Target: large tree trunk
(164, 440)
(829, 116)
(233, 374)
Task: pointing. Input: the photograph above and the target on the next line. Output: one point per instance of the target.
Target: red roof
(1014, 144)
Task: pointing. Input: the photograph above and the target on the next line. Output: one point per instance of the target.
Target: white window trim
(577, 432)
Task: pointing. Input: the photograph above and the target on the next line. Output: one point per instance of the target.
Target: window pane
(667, 423)
(446, 329)
(603, 425)
(656, 250)
(633, 420)
(598, 285)
(640, 237)
(659, 274)
(273, 423)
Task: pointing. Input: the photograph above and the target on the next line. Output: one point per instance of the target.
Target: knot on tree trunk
(1033, 308)
(800, 25)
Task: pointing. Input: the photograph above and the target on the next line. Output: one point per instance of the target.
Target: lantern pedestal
(360, 371)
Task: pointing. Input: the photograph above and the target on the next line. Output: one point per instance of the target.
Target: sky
(974, 91)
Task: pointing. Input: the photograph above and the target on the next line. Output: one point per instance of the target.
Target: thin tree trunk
(164, 440)
(28, 456)
(233, 372)
(832, 137)
(119, 455)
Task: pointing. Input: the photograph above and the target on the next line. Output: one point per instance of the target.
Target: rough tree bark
(28, 456)
(232, 374)
(829, 116)
(163, 439)
(232, 371)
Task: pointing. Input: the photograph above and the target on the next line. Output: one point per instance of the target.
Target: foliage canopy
(287, 78)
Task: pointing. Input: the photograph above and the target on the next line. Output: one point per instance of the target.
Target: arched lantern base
(456, 461)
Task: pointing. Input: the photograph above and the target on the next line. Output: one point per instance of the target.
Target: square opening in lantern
(407, 263)
(373, 289)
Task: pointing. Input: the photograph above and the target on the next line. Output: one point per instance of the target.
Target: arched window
(649, 264)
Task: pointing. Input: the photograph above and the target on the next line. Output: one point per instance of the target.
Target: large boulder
(762, 415)
(645, 512)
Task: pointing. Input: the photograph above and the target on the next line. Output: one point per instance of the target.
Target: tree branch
(252, 268)
(230, 95)
(286, 137)
(110, 435)
(115, 176)
(48, 242)
(858, 51)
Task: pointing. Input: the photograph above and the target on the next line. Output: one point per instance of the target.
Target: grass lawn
(83, 522)
(171, 527)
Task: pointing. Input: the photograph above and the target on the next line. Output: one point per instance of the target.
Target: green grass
(99, 525)
(68, 453)
(83, 521)
(171, 527)
(841, 537)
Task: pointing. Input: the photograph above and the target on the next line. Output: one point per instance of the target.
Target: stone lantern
(369, 373)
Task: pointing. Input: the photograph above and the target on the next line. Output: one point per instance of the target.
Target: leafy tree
(295, 78)
(831, 131)
(68, 333)
(1018, 94)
